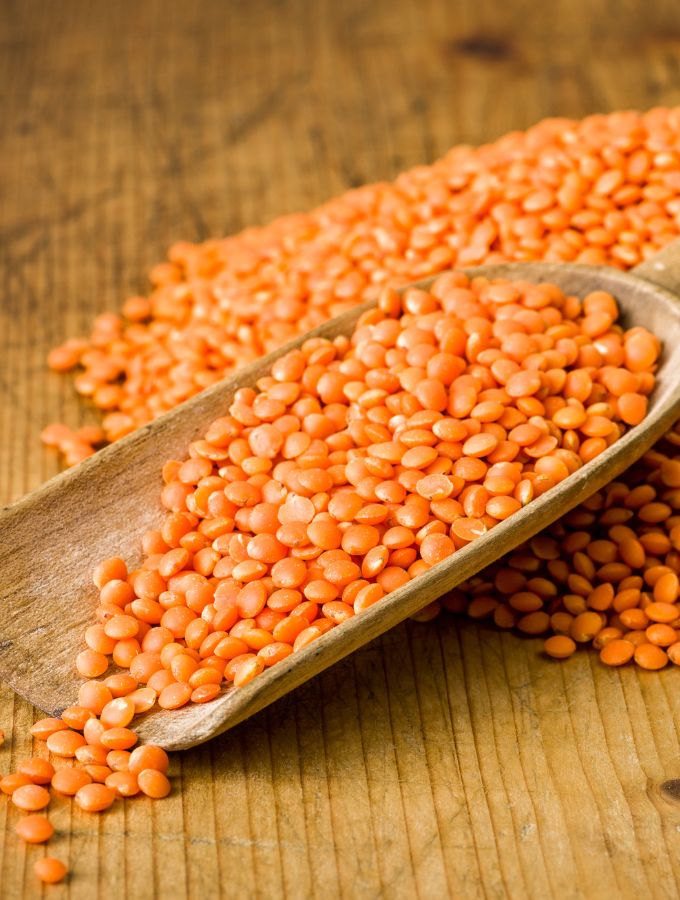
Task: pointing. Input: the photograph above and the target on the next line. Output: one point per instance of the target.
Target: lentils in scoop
(353, 467)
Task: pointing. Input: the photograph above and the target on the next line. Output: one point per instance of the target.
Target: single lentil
(35, 829)
(95, 797)
(50, 870)
(31, 797)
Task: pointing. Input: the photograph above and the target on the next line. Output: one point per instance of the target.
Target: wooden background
(445, 759)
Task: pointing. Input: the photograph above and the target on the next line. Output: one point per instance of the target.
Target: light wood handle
(662, 269)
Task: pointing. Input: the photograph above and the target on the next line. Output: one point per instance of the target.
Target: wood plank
(443, 757)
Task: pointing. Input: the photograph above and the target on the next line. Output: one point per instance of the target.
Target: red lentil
(10, 783)
(123, 783)
(98, 773)
(118, 760)
(95, 797)
(31, 797)
(50, 870)
(154, 783)
(35, 829)
(617, 652)
(69, 781)
(39, 771)
(148, 756)
(118, 738)
(65, 743)
(649, 656)
(559, 646)
(43, 728)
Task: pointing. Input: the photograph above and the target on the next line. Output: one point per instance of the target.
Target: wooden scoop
(51, 540)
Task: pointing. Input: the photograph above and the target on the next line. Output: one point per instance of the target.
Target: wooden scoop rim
(194, 724)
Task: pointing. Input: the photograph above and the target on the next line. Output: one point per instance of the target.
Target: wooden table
(444, 759)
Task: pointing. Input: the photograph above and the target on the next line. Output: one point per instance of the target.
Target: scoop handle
(662, 269)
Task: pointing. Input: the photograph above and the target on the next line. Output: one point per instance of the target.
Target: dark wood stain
(670, 790)
(483, 47)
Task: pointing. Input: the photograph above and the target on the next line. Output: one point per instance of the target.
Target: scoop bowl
(51, 539)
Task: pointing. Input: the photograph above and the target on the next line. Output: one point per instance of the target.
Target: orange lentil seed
(95, 797)
(649, 656)
(617, 653)
(50, 870)
(34, 829)
(65, 743)
(31, 797)
(559, 646)
(68, 781)
(43, 728)
(148, 756)
(123, 783)
(10, 783)
(40, 771)
(153, 783)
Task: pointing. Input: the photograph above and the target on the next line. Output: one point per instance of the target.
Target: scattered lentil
(39, 771)
(154, 783)
(9, 783)
(68, 781)
(50, 870)
(95, 797)
(35, 829)
(31, 797)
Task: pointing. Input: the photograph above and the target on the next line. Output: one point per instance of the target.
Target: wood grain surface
(443, 759)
